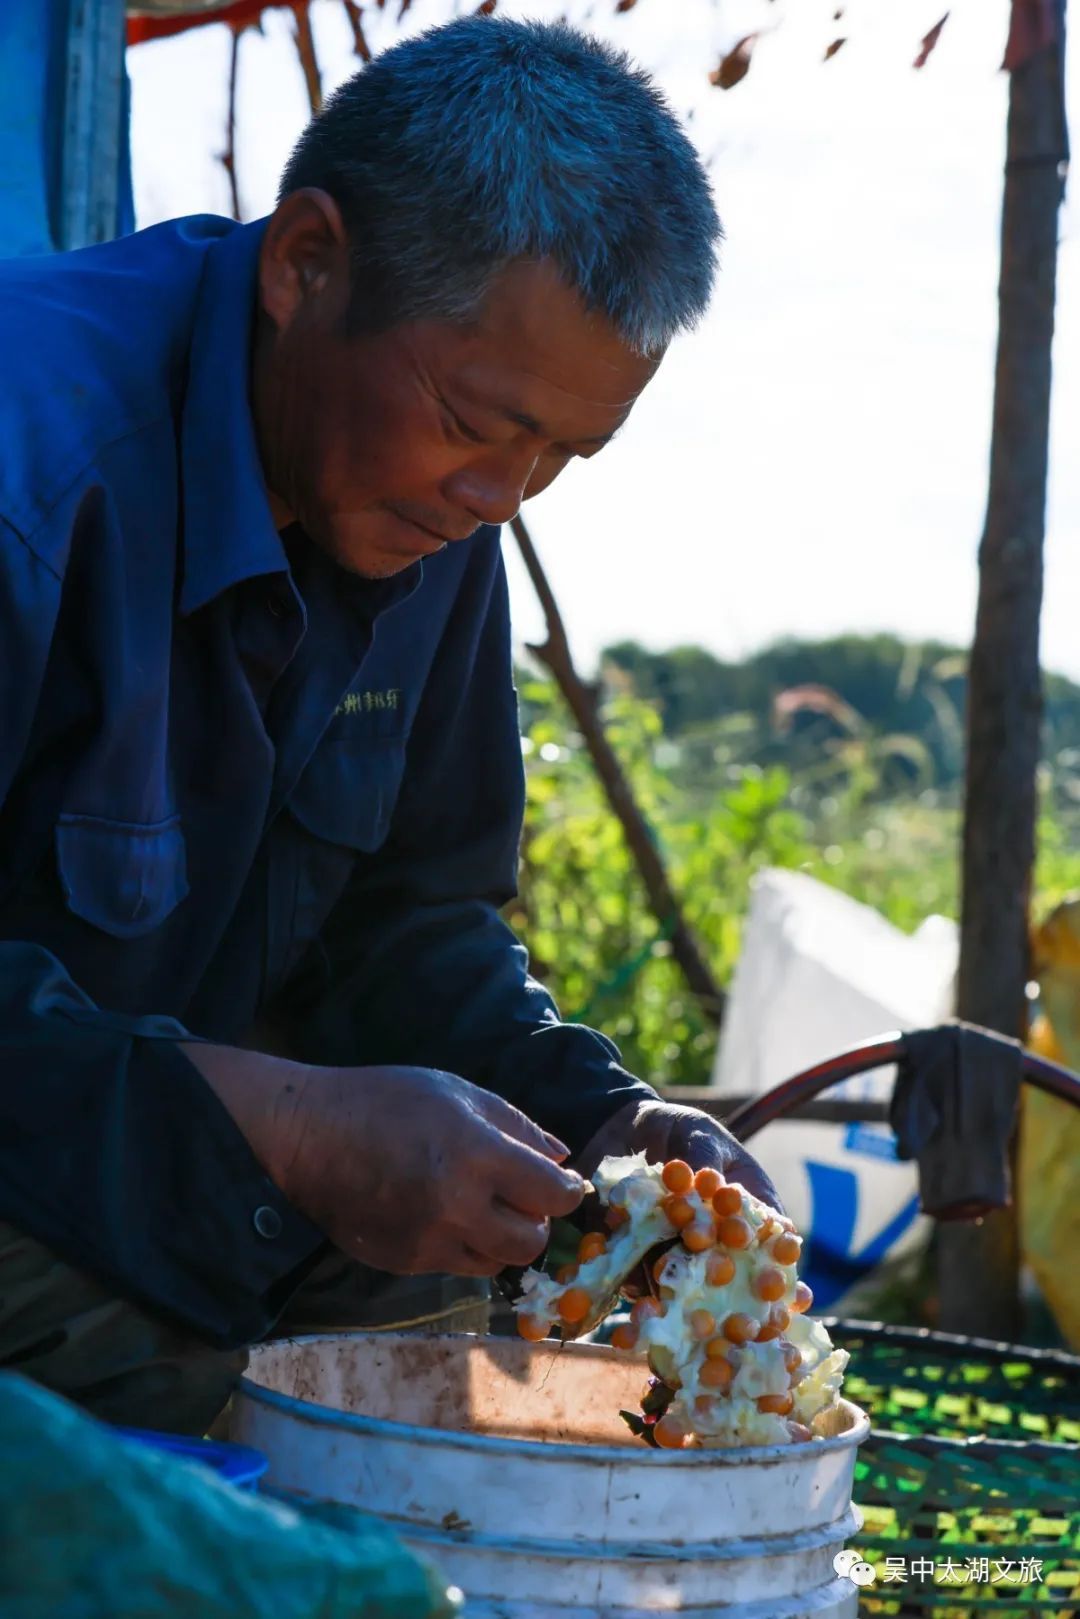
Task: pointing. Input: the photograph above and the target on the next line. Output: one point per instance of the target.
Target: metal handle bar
(753, 1116)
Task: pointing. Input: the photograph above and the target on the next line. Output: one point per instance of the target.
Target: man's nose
(491, 490)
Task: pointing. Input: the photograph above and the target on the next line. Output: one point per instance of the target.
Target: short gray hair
(454, 153)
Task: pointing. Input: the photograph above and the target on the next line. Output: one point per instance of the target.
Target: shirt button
(267, 1222)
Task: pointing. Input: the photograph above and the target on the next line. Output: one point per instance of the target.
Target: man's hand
(409, 1170)
(664, 1130)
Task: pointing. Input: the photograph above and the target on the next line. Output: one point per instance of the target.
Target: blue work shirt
(240, 789)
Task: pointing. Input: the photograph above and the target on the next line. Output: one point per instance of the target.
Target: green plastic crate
(969, 1484)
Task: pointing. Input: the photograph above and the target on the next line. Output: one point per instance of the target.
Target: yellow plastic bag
(1050, 1129)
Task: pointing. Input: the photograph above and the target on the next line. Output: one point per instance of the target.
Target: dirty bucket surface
(508, 1465)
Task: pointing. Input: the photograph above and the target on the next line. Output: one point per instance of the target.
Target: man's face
(387, 447)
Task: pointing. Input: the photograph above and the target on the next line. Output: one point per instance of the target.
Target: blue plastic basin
(237, 1464)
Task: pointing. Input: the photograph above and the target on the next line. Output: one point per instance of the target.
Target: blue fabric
(238, 787)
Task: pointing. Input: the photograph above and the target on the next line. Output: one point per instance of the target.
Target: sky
(813, 459)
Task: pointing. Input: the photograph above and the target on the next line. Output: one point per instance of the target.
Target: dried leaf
(1033, 27)
(735, 65)
(626, 5)
(814, 700)
(929, 41)
(486, 8)
(832, 49)
(640, 1430)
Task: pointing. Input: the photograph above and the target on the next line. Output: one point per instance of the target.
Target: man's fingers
(469, 1261)
(514, 1238)
(533, 1184)
(519, 1127)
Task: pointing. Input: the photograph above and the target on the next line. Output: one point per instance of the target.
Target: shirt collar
(228, 531)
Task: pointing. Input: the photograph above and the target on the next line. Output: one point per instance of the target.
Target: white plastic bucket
(507, 1464)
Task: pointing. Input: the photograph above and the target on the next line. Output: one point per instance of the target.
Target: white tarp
(818, 973)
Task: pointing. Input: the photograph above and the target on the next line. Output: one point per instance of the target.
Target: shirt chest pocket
(123, 877)
(349, 789)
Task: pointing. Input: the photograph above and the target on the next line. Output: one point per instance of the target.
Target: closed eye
(460, 426)
(590, 447)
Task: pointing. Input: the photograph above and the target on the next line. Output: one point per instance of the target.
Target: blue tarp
(33, 81)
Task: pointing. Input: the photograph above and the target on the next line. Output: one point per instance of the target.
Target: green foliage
(582, 910)
(867, 809)
(897, 688)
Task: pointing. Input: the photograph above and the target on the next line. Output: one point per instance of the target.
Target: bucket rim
(320, 1415)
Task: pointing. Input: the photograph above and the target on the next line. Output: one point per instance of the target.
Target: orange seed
(679, 1211)
(707, 1182)
(702, 1324)
(669, 1433)
(716, 1374)
(727, 1200)
(677, 1176)
(735, 1232)
(719, 1270)
(770, 1285)
(531, 1328)
(740, 1328)
(787, 1248)
(803, 1299)
(574, 1305)
(593, 1243)
(699, 1236)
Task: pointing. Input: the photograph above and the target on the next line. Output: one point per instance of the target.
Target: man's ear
(304, 255)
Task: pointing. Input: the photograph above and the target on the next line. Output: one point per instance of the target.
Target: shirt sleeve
(415, 964)
(113, 1149)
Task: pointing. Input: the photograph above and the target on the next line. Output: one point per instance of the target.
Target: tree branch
(228, 156)
(305, 49)
(555, 654)
(355, 14)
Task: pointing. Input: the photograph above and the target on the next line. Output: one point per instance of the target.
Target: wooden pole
(555, 655)
(979, 1264)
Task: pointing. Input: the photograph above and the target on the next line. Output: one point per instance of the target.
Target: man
(260, 771)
